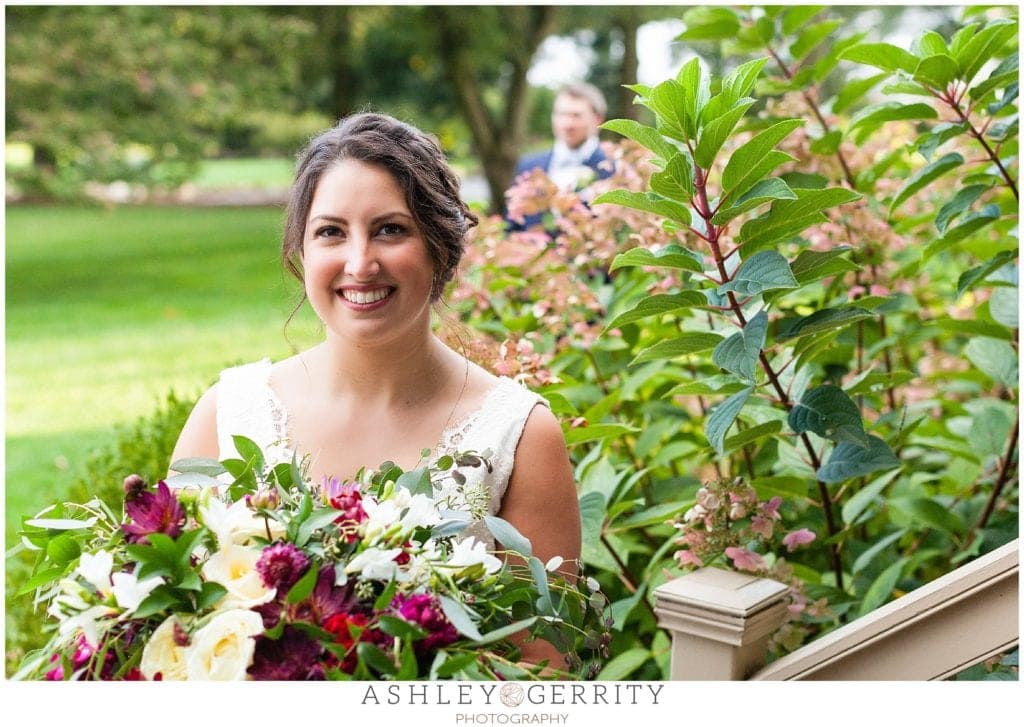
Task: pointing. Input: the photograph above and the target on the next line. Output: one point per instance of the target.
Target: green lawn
(254, 172)
(107, 310)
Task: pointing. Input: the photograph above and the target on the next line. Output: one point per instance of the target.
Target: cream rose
(162, 654)
(234, 567)
(222, 650)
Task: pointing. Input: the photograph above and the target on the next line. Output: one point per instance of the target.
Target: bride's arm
(198, 437)
(541, 502)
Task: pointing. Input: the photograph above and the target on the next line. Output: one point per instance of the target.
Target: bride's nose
(361, 262)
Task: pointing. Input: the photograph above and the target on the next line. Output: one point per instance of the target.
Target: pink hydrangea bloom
(688, 558)
(795, 539)
(745, 559)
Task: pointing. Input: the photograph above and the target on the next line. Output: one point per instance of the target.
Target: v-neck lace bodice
(248, 406)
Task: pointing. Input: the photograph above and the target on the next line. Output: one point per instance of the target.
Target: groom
(575, 159)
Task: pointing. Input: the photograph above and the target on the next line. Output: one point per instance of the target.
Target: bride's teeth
(361, 298)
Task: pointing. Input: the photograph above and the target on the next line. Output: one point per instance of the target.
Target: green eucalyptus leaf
(657, 305)
(722, 417)
(739, 353)
(996, 359)
(748, 163)
(646, 202)
(925, 176)
(506, 631)
(767, 190)
(642, 134)
(714, 134)
(829, 412)
(826, 319)
(506, 533)
(849, 460)
(681, 345)
(765, 270)
(886, 56)
(198, 465)
(460, 617)
(670, 256)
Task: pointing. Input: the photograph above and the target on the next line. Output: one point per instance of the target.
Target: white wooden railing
(720, 622)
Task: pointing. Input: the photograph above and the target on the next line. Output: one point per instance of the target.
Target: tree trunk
(497, 140)
(337, 21)
(629, 24)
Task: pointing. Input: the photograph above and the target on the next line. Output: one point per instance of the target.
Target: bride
(375, 229)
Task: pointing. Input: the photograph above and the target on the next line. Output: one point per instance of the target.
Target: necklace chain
(462, 392)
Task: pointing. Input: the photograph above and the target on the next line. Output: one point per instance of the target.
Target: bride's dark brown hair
(418, 165)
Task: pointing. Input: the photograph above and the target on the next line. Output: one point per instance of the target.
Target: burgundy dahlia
(425, 611)
(152, 512)
(281, 565)
(293, 657)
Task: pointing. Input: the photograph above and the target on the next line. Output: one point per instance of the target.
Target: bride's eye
(327, 231)
(392, 229)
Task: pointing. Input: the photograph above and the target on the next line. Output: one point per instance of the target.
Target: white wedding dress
(248, 406)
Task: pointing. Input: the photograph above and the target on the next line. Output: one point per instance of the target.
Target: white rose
(162, 655)
(235, 523)
(234, 567)
(222, 650)
(376, 564)
(421, 513)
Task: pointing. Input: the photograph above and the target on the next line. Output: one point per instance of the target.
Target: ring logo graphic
(512, 695)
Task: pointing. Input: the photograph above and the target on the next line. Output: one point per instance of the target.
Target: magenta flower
(745, 559)
(795, 539)
(83, 653)
(152, 512)
(281, 565)
(425, 611)
(771, 508)
(293, 657)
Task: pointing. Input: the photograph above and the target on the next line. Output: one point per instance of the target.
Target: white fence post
(720, 622)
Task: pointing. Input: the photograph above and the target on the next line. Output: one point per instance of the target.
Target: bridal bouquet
(238, 570)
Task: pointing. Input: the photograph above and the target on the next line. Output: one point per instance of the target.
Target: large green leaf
(752, 434)
(658, 305)
(1006, 72)
(722, 417)
(829, 412)
(866, 496)
(955, 207)
(929, 43)
(740, 82)
(851, 460)
(748, 163)
(854, 89)
(936, 71)
(789, 217)
(676, 180)
(866, 121)
(811, 265)
(969, 225)
(622, 665)
(766, 270)
(824, 320)
(795, 17)
(867, 557)
(983, 46)
(670, 256)
(681, 345)
(996, 359)
(886, 56)
(925, 511)
(710, 23)
(739, 353)
(767, 190)
(936, 136)
(924, 176)
(668, 101)
(714, 134)
(642, 134)
(812, 37)
(880, 590)
(646, 202)
(696, 87)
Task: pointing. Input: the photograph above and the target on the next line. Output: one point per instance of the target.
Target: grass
(107, 310)
(261, 173)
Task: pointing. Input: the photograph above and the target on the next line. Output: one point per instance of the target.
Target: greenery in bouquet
(240, 570)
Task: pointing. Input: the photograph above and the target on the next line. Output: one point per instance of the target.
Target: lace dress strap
(247, 406)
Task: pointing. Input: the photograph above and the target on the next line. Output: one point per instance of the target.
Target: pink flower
(347, 498)
(150, 512)
(281, 565)
(688, 558)
(745, 559)
(762, 526)
(797, 538)
(771, 508)
(425, 611)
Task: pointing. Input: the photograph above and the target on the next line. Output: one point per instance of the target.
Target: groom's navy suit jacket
(542, 160)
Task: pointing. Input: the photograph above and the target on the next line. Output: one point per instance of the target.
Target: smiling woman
(375, 229)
